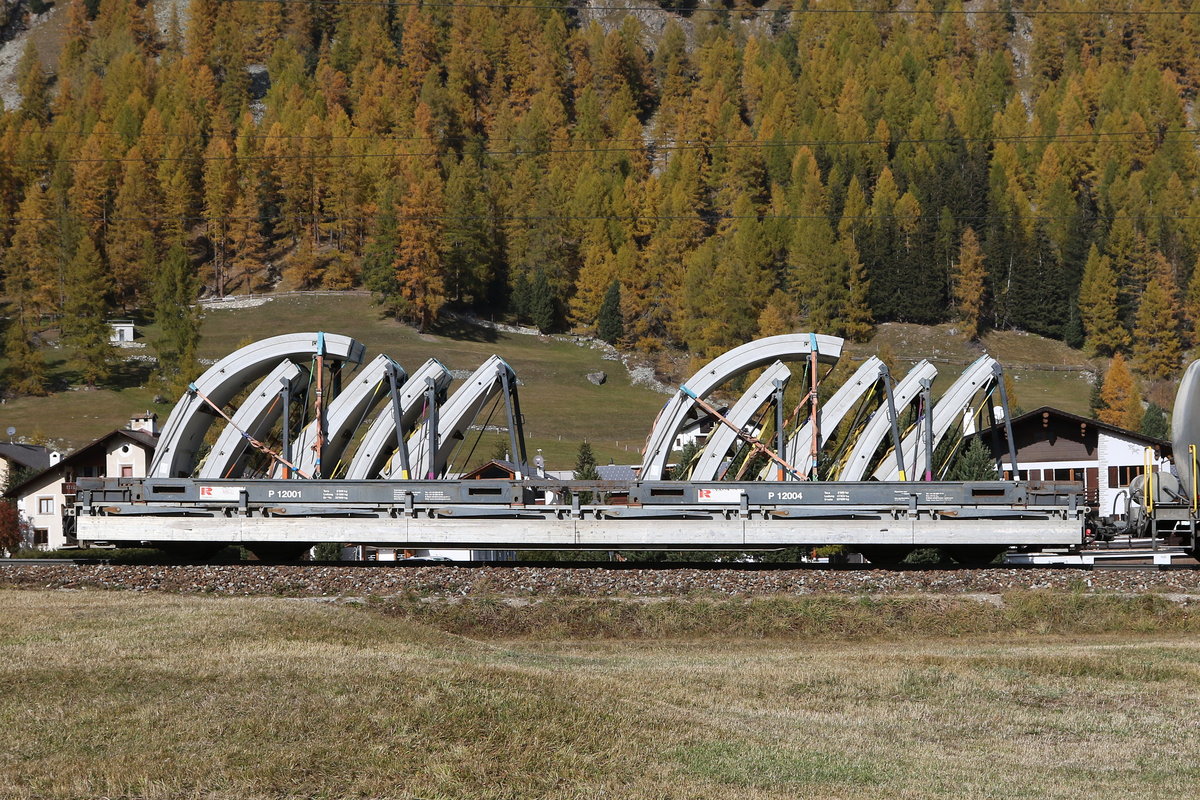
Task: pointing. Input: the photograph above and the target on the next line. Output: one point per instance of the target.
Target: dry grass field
(163, 696)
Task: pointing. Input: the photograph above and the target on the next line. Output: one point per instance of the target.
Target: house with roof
(43, 498)
(1055, 445)
(16, 456)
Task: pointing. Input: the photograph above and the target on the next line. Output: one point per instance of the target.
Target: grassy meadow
(561, 407)
(165, 696)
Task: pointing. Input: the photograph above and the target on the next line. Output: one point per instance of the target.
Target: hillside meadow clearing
(561, 407)
(167, 696)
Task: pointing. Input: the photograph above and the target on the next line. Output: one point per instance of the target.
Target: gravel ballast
(448, 581)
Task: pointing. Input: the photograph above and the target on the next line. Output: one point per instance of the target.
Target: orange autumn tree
(1120, 396)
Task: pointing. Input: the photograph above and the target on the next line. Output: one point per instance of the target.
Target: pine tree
(1096, 395)
(974, 463)
(26, 368)
(542, 312)
(1120, 395)
(967, 280)
(609, 325)
(585, 463)
(1102, 328)
(585, 469)
(378, 270)
(1154, 422)
(1156, 344)
(175, 289)
(85, 325)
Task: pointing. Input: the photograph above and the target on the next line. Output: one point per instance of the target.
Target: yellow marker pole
(1192, 453)
(1149, 481)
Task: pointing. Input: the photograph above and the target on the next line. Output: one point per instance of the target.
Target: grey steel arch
(175, 456)
(738, 361)
(256, 416)
(832, 412)
(1185, 425)
(379, 445)
(947, 411)
(453, 419)
(347, 410)
(878, 426)
(723, 437)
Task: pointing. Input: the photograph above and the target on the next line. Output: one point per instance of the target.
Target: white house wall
(125, 453)
(1111, 451)
(49, 487)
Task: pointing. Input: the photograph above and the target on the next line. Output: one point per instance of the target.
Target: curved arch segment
(832, 412)
(453, 419)
(345, 413)
(738, 361)
(946, 412)
(880, 423)
(379, 444)
(175, 456)
(256, 416)
(723, 437)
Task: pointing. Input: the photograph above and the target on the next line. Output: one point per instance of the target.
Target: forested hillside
(733, 171)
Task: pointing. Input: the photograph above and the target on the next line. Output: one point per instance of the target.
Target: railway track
(618, 566)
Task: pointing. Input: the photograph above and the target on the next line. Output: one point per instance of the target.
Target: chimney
(146, 422)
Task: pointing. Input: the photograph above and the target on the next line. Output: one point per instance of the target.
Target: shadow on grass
(461, 330)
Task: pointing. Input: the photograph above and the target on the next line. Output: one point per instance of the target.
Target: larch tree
(31, 265)
(85, 326)
(1120, 398)
(220, 194)
(246, 240)
(1191, 306)
(419, 263)
(1102, 329)
(1156, 343)
(132, 237)
(33, 85)
(967, 277)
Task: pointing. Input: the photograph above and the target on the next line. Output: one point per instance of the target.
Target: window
(40, 537)
(45, 505)
(126, 470)
(1122, 476)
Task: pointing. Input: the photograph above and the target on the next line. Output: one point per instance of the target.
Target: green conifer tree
(1154, 422)
(973, 463)
(542, 312)
(585, 469)
(609, 325)
(175, 289)
(26, 368)
(85, 326)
